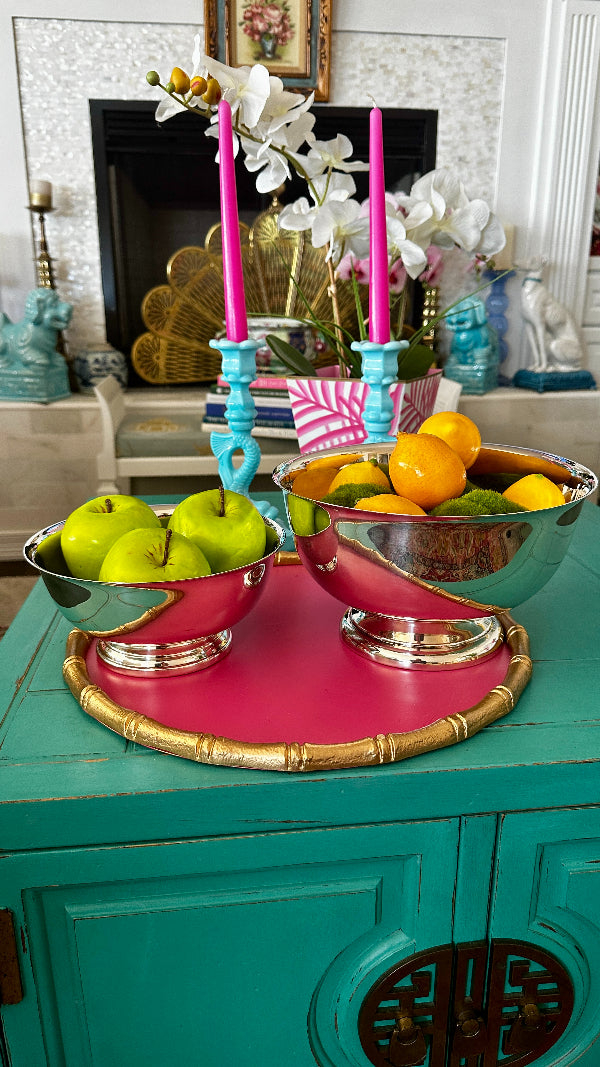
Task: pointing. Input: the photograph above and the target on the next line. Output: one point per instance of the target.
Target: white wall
(531, 145)
(17, 271)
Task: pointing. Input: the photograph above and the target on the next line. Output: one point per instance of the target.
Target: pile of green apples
(119, 538)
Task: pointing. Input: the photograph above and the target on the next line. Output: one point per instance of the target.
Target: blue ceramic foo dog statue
(474, 354)
(30, 366)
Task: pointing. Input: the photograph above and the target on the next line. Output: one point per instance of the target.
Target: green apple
(93, 528)
(146, 555)
(227, 526)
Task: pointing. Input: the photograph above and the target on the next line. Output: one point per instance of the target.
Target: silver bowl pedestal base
(421, 644)
(164, 661)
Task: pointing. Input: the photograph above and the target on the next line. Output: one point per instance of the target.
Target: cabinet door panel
(547, 892)
(210, 951)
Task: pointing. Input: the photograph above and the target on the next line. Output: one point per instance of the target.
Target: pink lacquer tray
(293, 697)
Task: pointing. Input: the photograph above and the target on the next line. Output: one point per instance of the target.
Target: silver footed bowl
(425, 591)
(152, 629)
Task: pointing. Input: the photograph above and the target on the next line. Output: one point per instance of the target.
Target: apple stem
(166, 552)
(108, 503)
(222, 499)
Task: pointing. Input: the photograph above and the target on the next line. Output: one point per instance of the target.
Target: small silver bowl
(153, 629)
(425, 591)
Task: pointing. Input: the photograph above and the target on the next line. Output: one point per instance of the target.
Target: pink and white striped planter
(328, 411)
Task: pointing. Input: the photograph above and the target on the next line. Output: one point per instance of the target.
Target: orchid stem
(336, 316)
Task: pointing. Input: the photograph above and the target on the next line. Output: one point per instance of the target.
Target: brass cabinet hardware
(481, 1003)
(407, 1043)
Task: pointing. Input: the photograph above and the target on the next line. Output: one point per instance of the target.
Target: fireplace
(157, 190)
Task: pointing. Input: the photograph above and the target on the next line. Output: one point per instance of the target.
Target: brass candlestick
(45, 270)
(40, 204)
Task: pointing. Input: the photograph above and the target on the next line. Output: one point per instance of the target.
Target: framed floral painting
(291, 37)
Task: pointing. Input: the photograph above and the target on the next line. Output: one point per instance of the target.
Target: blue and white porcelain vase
(93, 364)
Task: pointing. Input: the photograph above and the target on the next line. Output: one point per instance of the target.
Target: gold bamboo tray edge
(296, 757)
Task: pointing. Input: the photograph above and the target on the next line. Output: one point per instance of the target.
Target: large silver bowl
(425, 591)
(154, 628)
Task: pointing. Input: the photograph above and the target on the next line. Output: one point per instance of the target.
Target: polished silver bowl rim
(34, 542)
(576, 470)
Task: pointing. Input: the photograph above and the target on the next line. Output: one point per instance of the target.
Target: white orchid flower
(297, 216)
(213, 131)
(283, 107)
(296, 133)
(326, 155)
(438, 211)
(246, 89)
(414, 258)
(327, 190)
(333, 187)
(271, 155)
(493, 237)
(340, 225)
(167, 107)
(273, 166)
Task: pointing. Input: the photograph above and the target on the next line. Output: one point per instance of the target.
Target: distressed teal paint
(475, 865)
(165, 908)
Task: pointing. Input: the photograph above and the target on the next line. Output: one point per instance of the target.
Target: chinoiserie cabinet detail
(387, 944)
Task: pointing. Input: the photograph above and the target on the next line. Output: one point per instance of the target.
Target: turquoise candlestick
(239, 369)
(379, 370)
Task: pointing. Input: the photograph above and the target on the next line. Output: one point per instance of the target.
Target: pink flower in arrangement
(431, 274)
(361, 269)
(361, 272)
(261, 19)
(398, 277)
(273, 12)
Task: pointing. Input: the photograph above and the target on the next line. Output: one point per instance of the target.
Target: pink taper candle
(379, 300)
(236, 322)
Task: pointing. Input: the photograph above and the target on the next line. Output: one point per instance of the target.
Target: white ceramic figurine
(550, 328)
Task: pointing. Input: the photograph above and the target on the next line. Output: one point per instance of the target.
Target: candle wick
(372, 99)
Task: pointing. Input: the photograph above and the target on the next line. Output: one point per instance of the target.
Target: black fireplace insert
(157, 189)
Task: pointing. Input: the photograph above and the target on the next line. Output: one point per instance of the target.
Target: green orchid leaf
(362, 329)
(414, 362)
(290, 356)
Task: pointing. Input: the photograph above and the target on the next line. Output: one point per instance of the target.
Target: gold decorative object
(281, 756)
(430, 310)
(40, 203)
(183, 316)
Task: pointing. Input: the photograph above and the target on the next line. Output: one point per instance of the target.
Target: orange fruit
(313, 484)
(390, 503)
(456, 430)
(426, 470)
(357, 473)
(534, 492)
(333, 461)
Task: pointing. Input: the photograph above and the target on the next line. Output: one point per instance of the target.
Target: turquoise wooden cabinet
(441, 911)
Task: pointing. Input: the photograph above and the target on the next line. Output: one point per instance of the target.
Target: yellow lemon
(534, 492)
(357, 473)
(390, 503)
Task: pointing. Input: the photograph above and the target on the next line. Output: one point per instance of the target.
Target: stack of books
(273, 407)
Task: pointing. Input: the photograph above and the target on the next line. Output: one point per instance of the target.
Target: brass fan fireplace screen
(183, 316)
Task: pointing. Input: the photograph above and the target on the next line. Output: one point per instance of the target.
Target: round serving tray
(291, 696)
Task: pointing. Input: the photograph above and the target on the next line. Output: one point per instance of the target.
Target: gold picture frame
(292, 38)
